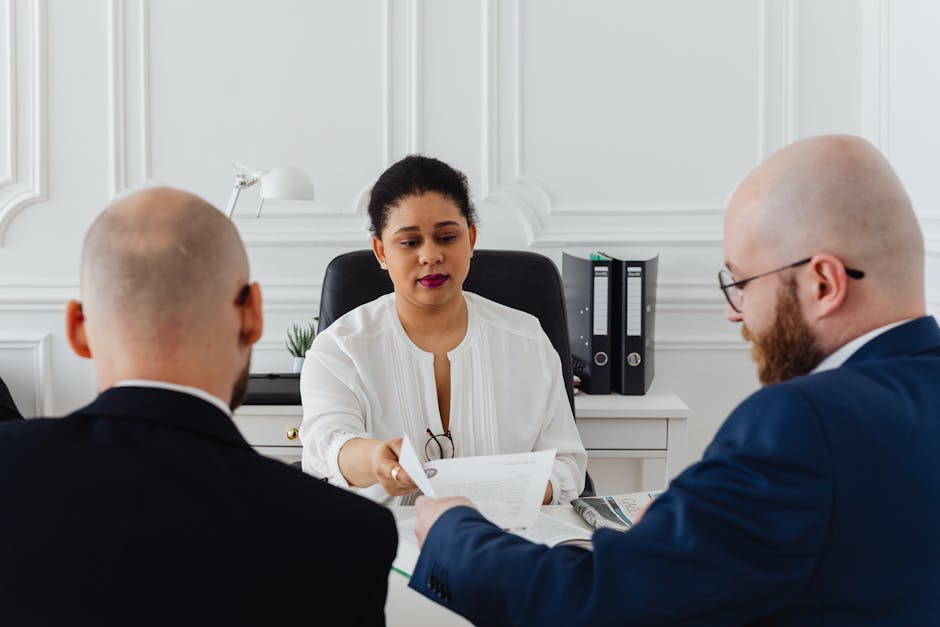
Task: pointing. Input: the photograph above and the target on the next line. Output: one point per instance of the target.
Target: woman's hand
(549, 494)
(388, 472)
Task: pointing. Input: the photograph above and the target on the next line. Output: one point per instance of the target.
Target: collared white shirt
(841, 354)
(364, 378)
(175, 387)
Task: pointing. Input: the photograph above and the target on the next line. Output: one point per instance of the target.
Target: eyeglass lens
(732, 292)
(439, 446)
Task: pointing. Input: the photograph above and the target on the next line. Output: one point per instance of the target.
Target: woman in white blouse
(460, 374)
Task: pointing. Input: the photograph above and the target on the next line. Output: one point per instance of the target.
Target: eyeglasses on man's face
(439, 446)
(734, 290)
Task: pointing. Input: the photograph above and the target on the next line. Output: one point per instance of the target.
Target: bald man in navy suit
(818, 502)
(148, 507)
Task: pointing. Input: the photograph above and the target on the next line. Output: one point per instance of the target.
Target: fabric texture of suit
(148, 507)
(8, 410)
(817, 503)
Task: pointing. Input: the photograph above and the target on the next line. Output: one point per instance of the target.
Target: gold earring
(383, 265)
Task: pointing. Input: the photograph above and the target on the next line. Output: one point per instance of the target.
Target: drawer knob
(292, 433)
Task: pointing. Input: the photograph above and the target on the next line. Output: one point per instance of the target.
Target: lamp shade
(286, 184)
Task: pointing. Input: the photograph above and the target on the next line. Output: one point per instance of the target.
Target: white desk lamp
(277, 184)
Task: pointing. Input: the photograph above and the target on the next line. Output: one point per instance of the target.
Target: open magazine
(616, 511)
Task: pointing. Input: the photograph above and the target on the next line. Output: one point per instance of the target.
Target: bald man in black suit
(148, 507)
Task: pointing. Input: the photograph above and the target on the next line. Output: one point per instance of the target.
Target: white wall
(591, 124)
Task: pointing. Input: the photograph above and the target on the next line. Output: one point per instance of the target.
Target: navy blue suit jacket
(817, 503)
(149, 508)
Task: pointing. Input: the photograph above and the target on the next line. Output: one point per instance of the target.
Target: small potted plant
(299, 339)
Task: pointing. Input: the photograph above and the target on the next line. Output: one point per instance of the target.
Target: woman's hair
(412, 176)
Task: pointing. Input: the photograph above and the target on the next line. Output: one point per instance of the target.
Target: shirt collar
(175, 387)
(839, 357)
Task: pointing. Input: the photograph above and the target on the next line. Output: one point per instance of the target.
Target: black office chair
(522, 280)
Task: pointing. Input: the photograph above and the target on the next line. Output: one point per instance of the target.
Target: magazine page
(615, 511)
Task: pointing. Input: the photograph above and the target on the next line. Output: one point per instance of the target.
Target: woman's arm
(336, 442)
(363, 461)
(560, 433)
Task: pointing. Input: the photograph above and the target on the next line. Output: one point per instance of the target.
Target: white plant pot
(297, 365)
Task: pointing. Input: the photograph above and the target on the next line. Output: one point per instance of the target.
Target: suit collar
(911, 338)
(166, 407)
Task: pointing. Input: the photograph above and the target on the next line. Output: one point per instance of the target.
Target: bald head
(161, 267)
(834, 194)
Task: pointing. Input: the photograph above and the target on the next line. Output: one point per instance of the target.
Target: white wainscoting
(591, 124)
(26, 369)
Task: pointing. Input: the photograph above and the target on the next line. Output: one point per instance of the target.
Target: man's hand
(642, 511)
(429, 510)
(388, 472)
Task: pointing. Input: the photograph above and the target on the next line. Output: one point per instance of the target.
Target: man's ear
(252, 316)
(830, 284)
(75, 329)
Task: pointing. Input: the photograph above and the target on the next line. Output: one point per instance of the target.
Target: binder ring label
(634, 359)
(600, 358)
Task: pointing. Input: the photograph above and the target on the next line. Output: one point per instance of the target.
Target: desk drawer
(267, 429)
(623, 434)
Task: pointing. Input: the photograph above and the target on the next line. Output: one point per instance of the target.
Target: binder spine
(588, 299)
(600, 328)
(633, 365)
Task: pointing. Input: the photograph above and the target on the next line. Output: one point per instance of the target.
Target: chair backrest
(522, 280)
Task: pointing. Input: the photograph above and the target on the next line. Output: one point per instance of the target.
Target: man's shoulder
(20, 435)
(307, 497)
(774, 419)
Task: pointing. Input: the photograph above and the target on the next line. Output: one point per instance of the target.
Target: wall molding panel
(777, 76)
(876, 73)
(25, 182)
(129, 95)
(930, 224)
(37, 374)
(8, 123)
(595, 125)
(532, 201)
(701, 342)
(36, 296)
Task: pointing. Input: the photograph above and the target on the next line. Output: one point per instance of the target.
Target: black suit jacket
(149, 508)
(8, 410)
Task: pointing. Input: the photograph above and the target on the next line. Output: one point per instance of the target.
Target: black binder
(587, 284)
(634, 324)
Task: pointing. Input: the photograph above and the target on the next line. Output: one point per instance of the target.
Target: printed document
(507, 489)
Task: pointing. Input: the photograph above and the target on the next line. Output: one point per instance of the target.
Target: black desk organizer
(273, 389)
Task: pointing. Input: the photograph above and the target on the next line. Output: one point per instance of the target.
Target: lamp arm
(233, 199)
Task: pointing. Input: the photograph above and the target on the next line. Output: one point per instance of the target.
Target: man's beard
(240, 389)
(789, 348)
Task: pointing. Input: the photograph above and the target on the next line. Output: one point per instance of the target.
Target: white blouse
(363, 377)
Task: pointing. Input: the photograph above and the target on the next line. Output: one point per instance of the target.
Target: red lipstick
(433, 280)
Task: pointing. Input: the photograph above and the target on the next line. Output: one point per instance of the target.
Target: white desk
(611, 426)
(406, 608)
(643, 427)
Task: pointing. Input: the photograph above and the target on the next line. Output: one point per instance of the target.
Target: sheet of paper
(507, 489)
(550, 531)
(410, 461)
(407, 556)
